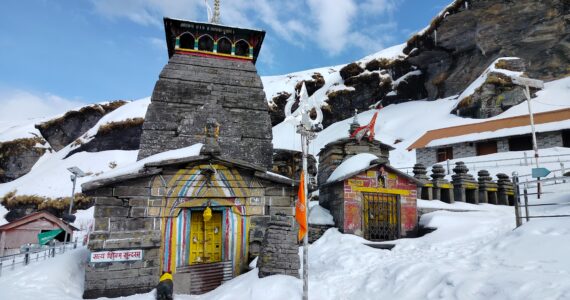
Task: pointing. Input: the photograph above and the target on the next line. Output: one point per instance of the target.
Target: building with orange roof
(493, 136)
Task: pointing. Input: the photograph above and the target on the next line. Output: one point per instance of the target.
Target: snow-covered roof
(360, 163)
(518, 125)
(152, 164)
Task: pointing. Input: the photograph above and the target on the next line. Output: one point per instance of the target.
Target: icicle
(435, 37)
(466, 4)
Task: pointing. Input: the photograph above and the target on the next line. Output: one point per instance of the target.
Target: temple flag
(301, 209)
(361, 131)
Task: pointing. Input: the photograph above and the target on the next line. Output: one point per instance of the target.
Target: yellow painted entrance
(381, 216)
(206, 240)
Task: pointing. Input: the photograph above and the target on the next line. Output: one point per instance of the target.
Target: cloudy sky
(57, 55)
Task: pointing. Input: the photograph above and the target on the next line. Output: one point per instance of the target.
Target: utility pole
(538, 84)
(308, 129)
(75, 172)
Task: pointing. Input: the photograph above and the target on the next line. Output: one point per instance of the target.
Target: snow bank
(472, 255)
(354, 164)
(58, 278)
(319, 215)
(50, 178)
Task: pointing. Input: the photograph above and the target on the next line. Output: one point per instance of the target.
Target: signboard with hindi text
(112, 256)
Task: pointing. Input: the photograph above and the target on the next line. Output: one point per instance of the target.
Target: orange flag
(301, 209)
(361, 131)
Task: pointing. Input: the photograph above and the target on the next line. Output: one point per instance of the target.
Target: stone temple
(202, 216)
(210, 75)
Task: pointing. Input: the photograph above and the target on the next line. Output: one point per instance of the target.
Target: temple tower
(210, 77)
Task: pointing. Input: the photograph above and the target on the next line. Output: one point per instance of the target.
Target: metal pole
(526, 202)
(517, 199)
(534, 144)
(73, 179)
(305, 147)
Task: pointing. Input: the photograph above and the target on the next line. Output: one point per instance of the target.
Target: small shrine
(376, 201)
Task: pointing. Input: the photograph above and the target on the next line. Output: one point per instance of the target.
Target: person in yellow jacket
(165, 287)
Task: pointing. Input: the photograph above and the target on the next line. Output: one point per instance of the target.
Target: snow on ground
(131, 110)
(472, 255)
(58, 278)
(50, 177)
(10, 131)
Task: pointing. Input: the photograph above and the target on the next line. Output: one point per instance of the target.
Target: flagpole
(307, 128)
(305, 141)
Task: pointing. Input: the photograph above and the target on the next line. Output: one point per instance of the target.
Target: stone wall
(191, 90)
(279, 251)
(316, 231)
(549, 139)
(121, 223)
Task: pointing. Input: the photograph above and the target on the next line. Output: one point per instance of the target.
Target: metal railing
(22, 259)
(535, 184)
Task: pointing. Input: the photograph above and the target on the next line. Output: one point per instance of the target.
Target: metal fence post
(525, 159)
(526, 203)
(517, 199)
(0, 268)
(448, 171)
(27, 257)
(562, 171)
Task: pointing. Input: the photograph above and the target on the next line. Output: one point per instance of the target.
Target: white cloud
(379, 7)
(334, 26)
(18, 105)
(333, 23)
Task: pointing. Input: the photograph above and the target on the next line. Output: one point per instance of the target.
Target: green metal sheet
(47, 236)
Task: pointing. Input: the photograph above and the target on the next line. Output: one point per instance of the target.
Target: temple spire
(354, 125)
(213, 16)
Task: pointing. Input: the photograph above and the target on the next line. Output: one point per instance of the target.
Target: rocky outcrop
(467, 37)
(277, 107)
(20, 206)
(61, 131)
(17, 157)
(497, 93)
(121, 135)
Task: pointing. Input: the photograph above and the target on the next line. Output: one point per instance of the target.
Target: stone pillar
(487, 188)
(442, 189)
(279, 250)
(506, 191)
(2, 243)
(425, 191)
(465, 187)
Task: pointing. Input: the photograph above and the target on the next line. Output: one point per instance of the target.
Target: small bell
(207, 214)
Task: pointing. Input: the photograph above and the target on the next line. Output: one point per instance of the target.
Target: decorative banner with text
(111, 256)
